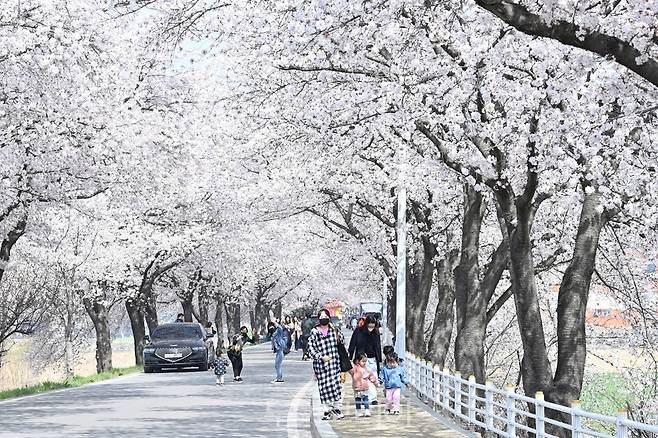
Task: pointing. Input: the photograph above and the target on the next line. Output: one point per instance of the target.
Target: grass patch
(75, 381)
(607, 392)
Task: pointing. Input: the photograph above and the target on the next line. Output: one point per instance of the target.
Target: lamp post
(401, 290)
(387, 337)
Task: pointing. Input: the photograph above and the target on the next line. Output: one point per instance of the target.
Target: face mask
(370, 329)
(324, 321)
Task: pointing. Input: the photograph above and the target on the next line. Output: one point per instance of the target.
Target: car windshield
(177, 332)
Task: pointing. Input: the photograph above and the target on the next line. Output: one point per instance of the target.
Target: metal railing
(506, 413)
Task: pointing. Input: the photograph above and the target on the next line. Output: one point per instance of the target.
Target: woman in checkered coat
(323, 349)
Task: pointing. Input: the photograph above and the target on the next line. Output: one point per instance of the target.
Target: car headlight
(198, 348)
(149, 350)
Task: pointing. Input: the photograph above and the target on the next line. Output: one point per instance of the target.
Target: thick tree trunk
(469, 297)
(150, 310)
(233, 317)
(419, 287)
(204, 303)
(186, 304)
(536, 368)
(136, 316)
(98, 313)
(444, 315)
(572, 303)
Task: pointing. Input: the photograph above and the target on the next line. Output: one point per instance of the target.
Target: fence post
(458, 393)
(539, 412)
(437, 385)
(412, 370)
(445, 389)
(575, 419)
(511, 416)
(622, 429)
(426, 378)
(489, 407)
(471, 398)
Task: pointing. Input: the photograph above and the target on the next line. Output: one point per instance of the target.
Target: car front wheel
(149, 370)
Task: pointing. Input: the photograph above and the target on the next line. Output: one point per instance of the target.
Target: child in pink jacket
(361, 375)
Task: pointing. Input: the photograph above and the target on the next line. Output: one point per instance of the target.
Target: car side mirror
(147, 338)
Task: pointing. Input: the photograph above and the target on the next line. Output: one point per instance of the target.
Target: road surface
(172, 404)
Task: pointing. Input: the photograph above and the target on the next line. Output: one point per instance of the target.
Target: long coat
(327, 374)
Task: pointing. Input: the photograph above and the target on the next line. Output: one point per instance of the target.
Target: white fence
(505, 413)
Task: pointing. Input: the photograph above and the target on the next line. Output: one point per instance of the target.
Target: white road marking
(300, 398)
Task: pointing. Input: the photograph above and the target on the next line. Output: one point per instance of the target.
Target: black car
(176, 345)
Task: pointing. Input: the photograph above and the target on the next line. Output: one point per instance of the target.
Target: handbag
(343, 357)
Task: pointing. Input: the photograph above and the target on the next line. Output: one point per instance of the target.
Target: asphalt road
(173, 404)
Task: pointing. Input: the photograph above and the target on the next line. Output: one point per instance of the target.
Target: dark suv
(176, 345)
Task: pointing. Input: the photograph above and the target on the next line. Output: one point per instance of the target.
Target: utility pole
(401, 291)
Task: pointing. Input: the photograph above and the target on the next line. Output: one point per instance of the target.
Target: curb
(319, 427)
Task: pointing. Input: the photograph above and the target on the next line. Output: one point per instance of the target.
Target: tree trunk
(204, 303)
(68, 347)
(233, 318)
(150, 309)
(536, 368)
(186, 304)
(444, 315)
(136, 316)
(9, 241)
(252, 320)
(98, 313)
(278, 310)
(419, 287)
(221, 334)
(469, 299)
(572, 303)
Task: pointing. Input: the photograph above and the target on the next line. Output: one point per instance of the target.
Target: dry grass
(16, 371)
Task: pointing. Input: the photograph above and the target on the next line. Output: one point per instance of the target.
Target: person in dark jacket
(366, 340)
(236, 344)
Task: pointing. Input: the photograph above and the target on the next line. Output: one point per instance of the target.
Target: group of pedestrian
(368, 369)
(324, 344)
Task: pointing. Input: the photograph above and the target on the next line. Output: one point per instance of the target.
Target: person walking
(323, 349)
(279, 344)
(219, 366)
(393, 376)
(366, 340)
(234, 352)
(298, 333)
(307, 326)
(362, 377)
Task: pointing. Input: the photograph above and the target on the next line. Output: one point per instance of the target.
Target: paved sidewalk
(413, 421)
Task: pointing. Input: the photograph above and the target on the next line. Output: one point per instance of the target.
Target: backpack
(288, 341)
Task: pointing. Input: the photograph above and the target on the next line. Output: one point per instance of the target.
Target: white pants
(372, 389)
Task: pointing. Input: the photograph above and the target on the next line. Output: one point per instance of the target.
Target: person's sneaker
(235, 379)
(276, 381)
(374, 403)
(338, 414)
(366, 413)
(217, 383)
(396, 412)
(357, 414)
(239, 379)
(388, 411)
(327, 415)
